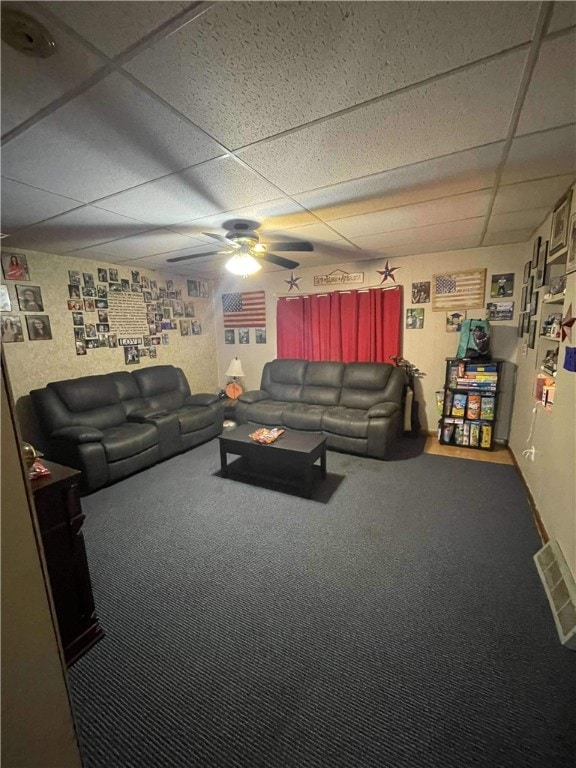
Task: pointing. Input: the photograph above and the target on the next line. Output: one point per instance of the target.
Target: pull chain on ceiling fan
(246, 251)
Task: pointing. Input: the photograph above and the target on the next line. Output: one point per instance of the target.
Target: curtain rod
(358, 290)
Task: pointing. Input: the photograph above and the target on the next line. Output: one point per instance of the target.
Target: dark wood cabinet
(57, 500)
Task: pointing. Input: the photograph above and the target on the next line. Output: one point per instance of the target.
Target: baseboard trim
(538, 522)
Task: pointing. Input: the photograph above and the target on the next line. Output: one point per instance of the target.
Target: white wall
(551, 477)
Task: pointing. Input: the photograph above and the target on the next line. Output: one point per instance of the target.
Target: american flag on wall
(244, 310)
(459, 290)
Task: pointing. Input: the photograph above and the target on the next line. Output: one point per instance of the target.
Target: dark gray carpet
(395, 621)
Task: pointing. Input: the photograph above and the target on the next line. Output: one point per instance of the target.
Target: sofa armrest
(201, 398)
(254, 396)
(78, 434)
(382, 410)
(394, 390)
(146, 414)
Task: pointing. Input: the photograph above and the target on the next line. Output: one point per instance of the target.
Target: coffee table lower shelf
(292, 454)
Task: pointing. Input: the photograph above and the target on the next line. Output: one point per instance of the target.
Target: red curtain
(350, 326)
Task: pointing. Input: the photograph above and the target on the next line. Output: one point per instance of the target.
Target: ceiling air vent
(26, 35)
(560, 590)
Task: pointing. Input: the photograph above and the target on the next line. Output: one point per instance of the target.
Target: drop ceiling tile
(465, 206)
(510, 236)
(551, 97)
(551, 153)
(317, 233)
(563, 16)
(113, 137)
(113, 27)
(458, 112)
(76, 229)
(434, 246)
(444, 231)
(531, 194)
(193, 248)
(29, 84)
(145, 244)
(276, 214)
(501, 222)
(442, 177)
(222, 184)
(250, 70)
(23, 205)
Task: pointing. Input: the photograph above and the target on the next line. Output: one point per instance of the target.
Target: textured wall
(33, 364)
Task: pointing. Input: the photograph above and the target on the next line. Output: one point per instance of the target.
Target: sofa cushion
(192, 418)
(86, 392)
(128, 392)
(322, 383)
(266, 412)
(89, 401)
(128, 440)
(303, 416)
(364, 384)
(351, 422)
(283, 379)
(164, 386)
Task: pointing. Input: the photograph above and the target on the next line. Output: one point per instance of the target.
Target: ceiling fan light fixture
(243, 264)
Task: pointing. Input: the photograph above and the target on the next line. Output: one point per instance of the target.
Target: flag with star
(244, 310)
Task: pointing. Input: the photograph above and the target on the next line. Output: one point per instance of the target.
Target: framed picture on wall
(532, 333)
(560, 216)
(523, 299)
(527, 267)
(536, 251)
(38, 327)
(571, 257)
(29, 298)
(15, 266)
(541, 271)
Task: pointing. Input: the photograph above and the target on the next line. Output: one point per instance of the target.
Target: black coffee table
(293, 453)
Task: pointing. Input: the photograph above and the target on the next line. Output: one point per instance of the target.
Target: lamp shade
(235, 368)
(243, 264)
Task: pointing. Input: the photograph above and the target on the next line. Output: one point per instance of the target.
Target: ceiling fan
(242, 243)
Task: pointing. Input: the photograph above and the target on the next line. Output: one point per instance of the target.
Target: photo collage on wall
(27, 299)
(165, 310)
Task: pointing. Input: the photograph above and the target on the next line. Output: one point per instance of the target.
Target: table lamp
(233, 389)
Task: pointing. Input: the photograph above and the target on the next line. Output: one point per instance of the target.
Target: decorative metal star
(387, 272)
(293, 282)
(567, 323)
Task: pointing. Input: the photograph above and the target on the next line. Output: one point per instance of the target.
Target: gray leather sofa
(358, 406)
(112, 425)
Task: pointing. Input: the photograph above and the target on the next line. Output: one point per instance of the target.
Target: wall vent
(560, 590)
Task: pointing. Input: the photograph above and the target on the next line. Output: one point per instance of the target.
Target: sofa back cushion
(322, 383)
(128, 392)
(364, 384)
(283, 379)
(90, 401)
(164, 386)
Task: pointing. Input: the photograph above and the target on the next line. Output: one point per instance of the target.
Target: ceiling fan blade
(221, 239)
(292, 246)
(280, 261)
(192, 256)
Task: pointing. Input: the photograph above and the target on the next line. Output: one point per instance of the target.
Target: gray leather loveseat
(358, 406)
(112, 425)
